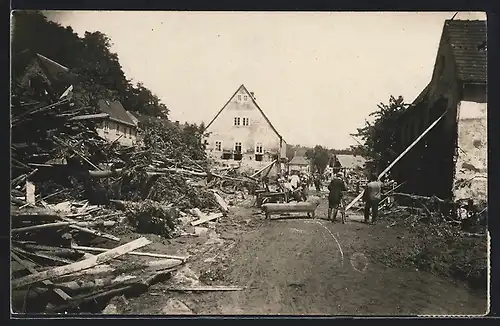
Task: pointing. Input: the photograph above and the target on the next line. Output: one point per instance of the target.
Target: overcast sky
(317, 76)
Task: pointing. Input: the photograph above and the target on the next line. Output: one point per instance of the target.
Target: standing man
(371, 197)
(336, 188)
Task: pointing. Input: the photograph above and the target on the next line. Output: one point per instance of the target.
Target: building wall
(258, 131)
(112, 130)
(300, 168)
(472, 161)
(433, 157)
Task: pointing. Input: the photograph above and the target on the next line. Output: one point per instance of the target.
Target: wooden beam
(134, 253)
(60, 224)
(33, 271)
(80, 265)
(265, 167)
(400, 157)
(206, 219)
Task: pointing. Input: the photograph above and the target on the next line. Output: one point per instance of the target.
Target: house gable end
(242, 90)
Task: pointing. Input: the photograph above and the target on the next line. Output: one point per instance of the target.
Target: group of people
(371, 196)
(296, 185)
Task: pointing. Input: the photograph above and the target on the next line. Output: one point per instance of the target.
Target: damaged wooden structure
(451, 161)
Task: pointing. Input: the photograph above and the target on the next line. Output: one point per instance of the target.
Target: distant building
(451, 160)
(241, 134)
(45, 76)
(118, 126)
(345, 162)
(299, 164)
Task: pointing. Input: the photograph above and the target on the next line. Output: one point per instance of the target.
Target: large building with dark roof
(450, 161)
(119, 126)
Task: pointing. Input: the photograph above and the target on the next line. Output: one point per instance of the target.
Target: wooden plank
(265, 167)
(222, 203)
(134, 253)
(205, 288)
(59, 292)
(206, 219)
(399, 157)
(30, 193)
(59, 224)
(81, 265)
(89, 117)
(90, 231)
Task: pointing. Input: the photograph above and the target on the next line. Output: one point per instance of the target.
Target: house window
(105, 126)
(218, 146)
(258, 148)
(245, 98)
(246, 121)
(239, 97)
(237, 121)
(237, 147)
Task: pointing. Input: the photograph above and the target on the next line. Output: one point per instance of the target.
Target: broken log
(134, 253)
(34, 212)
(43, 256)
(81, 265)
(207, 219)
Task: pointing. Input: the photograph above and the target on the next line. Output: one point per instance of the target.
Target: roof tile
(467, 39)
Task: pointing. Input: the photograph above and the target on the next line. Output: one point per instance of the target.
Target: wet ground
(301, 266)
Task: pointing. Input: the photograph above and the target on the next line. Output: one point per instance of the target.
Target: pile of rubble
(73, 192)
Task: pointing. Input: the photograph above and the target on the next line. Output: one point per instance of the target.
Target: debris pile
(73, 192)
(446, 237)
(54, 268)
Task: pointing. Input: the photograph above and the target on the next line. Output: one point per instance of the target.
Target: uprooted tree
(379, 138)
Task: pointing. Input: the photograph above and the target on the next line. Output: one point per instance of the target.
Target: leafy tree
(379, 138)
(97, 68)
(319, 156)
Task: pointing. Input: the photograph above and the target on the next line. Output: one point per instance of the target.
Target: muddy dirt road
(305, 266)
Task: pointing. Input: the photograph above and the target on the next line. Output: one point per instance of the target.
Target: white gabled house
(241, 134)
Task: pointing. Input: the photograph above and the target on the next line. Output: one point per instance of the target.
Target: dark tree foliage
(380, 138)
(98, 70)
(319, 156)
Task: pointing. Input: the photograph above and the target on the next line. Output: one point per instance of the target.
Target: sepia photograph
(194, 163)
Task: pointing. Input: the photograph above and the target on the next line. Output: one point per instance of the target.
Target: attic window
(236, 121)
(483, 46)
(239, 97)
(245, 98)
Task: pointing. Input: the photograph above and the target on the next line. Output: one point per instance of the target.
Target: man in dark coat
(336, 188)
